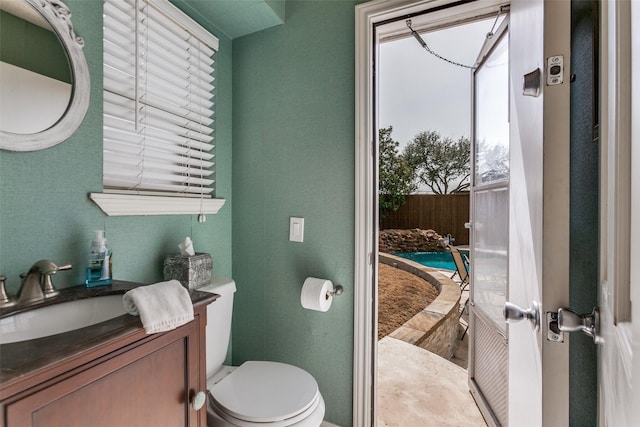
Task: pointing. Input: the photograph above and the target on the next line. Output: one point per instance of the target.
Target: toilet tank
(219, 315)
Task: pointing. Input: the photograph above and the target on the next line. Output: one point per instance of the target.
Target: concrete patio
(417, 388)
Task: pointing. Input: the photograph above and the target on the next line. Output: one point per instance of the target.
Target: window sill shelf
(114, 204)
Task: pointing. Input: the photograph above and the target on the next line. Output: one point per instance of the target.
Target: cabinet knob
(197, 401)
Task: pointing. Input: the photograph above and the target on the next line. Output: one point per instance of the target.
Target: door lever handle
(588, 324)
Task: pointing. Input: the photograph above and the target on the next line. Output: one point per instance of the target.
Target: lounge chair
(461, 267)
(462, 270)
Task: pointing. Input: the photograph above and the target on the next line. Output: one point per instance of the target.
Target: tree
(396, 177)
(493, 162)
(441, 163)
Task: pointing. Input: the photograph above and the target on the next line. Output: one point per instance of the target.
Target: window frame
(115, 202)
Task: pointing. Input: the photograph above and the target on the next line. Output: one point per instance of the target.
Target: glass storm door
(490, 228)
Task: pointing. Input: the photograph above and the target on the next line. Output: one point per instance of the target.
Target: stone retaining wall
(436, 327)
(393, 241)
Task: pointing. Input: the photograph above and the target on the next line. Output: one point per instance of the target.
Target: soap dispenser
(99, 262)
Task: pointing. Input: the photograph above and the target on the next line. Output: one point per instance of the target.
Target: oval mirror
(44, 77)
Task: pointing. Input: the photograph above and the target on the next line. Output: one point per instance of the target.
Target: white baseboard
(328, 424)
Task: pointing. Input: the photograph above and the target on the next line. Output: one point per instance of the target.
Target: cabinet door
(148, 384)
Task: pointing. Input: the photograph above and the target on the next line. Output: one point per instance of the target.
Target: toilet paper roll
(315, 294)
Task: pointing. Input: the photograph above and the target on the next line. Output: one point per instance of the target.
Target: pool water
(440, 260)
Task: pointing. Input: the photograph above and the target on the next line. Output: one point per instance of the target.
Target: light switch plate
(296, 229)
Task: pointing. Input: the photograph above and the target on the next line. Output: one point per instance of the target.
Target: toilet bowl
(267, 394)
(256, 393)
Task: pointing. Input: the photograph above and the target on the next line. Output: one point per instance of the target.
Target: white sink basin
(59, 318)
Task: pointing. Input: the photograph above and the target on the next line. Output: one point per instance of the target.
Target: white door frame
(366, 16)
(366, 227)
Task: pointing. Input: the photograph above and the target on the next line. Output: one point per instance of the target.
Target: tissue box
(191, 271)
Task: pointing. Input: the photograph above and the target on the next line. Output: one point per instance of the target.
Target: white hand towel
(162, 306)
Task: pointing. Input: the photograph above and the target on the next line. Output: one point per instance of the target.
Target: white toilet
(268, 394)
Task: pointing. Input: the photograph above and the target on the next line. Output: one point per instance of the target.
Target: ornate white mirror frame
(58, 15)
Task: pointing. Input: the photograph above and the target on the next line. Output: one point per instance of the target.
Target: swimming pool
(440, 260)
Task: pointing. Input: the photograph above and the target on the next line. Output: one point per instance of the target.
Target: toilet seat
(265, 392)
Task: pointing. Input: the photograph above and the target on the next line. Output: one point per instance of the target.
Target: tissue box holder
(191, 271)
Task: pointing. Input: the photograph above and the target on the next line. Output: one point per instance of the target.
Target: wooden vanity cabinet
(136, 380)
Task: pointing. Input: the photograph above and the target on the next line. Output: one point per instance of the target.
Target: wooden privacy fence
(446, 214)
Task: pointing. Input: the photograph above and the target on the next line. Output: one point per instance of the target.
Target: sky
(419, 92)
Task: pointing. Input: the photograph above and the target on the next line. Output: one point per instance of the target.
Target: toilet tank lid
(220, 285)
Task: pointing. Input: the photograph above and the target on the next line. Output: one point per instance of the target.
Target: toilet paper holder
(317, 294)
(337, 290)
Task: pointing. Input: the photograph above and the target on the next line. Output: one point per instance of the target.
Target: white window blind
(158, 101)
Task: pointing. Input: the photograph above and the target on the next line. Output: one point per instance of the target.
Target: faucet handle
(45, 266)
(5, 301)
(47, 285)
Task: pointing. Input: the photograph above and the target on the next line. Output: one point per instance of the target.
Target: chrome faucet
(36, 284)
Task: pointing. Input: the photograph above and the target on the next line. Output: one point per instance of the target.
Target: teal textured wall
(293, 155)
(45, 211)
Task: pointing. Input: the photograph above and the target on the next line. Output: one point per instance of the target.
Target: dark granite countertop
(17, 359)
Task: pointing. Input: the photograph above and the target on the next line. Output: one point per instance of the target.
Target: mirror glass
(44, 84)
(35, 78)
